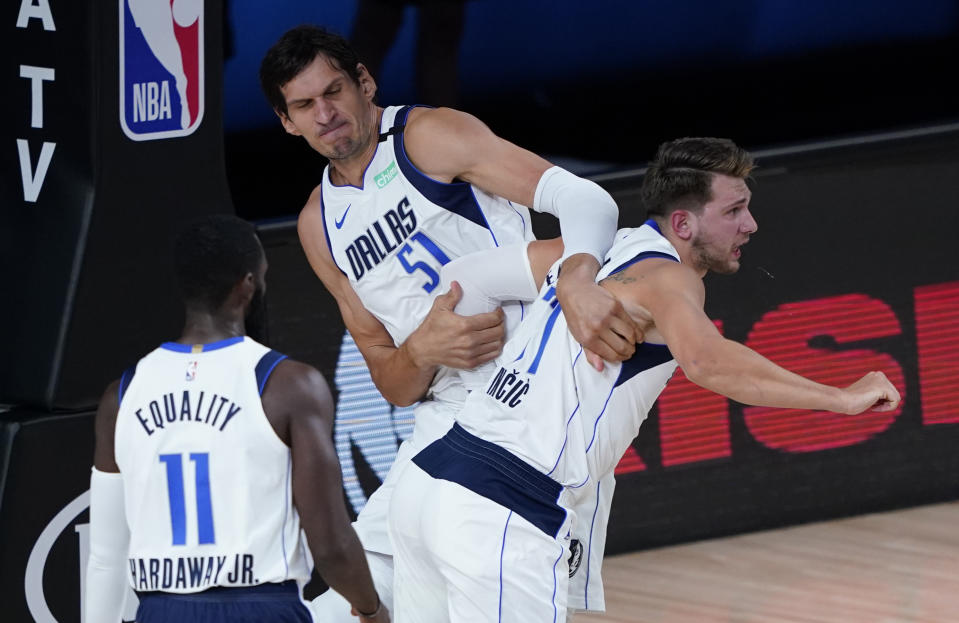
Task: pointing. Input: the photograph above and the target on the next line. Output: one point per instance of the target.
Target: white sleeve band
(587, 215)
(490, 277)
(107, 582)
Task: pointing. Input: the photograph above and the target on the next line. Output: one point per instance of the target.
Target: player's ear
(245, 288)
(287, 124)
(680, 221)
(367, 83)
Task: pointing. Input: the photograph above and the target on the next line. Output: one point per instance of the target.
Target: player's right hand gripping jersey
(206, 480)
(391, 236)
(549, 407)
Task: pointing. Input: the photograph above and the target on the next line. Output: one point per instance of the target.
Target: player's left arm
(299, 406)
(490, 277)
(109, 533)
(448, 144)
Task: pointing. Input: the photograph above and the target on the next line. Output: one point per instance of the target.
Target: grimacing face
(333, 113)
(724, 226)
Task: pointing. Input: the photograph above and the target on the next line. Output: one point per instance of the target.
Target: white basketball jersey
(207, 482)
(391, 235)
(548, 406)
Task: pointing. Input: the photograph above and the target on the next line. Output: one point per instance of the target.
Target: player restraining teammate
(407, 190)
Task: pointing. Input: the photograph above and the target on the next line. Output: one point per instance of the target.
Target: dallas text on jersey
(368, 250)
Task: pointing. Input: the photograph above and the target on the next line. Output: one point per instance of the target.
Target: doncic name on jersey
(161, 68)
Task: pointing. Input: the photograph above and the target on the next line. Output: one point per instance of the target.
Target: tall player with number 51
(407, 190)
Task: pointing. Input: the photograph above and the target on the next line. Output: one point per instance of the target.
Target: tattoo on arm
(620, 277)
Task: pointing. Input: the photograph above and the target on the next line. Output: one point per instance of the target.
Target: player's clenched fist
(874, 392)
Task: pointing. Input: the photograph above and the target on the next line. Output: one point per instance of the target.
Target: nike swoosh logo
(339, 221)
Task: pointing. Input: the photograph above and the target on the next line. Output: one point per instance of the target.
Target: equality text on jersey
(195, 407)
(381, 238)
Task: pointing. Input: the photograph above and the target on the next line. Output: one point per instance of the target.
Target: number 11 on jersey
(204, 506)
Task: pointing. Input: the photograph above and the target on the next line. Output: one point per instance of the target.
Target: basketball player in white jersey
(213, 458)
(407, 190)
(496, 495)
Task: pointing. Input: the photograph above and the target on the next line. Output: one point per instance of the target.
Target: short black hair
(212, 254)
(294, 51)
(681, 175)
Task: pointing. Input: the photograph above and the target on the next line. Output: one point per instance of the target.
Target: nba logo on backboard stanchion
(161, 68)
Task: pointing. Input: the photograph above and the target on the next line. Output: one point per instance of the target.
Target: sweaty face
(723, 227)
(333, 113)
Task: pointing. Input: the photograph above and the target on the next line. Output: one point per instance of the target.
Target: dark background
(597, 86)
(594, 86)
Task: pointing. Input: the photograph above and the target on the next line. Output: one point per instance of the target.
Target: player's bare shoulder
(295, 389)
(443, 142)
(644, 287)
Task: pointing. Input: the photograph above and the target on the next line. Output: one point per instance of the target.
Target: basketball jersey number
(435, 251)
(204, 508)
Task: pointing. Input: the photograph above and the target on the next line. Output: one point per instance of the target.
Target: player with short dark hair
(214, 459)
(408, 189)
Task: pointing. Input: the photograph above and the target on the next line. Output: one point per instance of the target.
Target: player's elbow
(700, 366)
(330, 553)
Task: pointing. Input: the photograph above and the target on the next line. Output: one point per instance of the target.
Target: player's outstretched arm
(673, 294)
(402, 374)
(448, 144)
(298, 404)
(109, 534)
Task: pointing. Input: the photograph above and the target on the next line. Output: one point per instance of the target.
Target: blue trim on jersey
(125, 379)
(654, 225)
(645, 255)
(188, 348)
(286, 505)
(565, 440)
(265, 366)
(326, 232)
(646, 356)
(501, 552)
(523, 220)
(589, 547)
(558, 558)
(457, 197)
(497, 475)
(533, 367)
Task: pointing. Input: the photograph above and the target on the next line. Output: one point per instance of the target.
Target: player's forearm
(735, 371)
(342, 564)
(587, 214)
(576, 271)
(402, 375)
(106, 583)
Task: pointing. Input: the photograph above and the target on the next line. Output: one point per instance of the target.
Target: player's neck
(685, 250)
(204, 328)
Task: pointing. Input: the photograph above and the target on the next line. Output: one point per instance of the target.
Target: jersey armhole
(456, 197)
(265, 367)
(125, 379)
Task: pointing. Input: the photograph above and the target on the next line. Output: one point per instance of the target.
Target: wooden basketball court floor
(895, 567)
